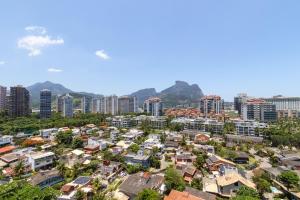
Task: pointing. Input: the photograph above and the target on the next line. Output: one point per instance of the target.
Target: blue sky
(226, 47)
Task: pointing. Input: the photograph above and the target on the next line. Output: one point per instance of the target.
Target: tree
(22, 190)
(134, 148)
(263, 186)
(77, 143)
(61, 168)
(65, 138)
(173, 180)
(197, 184)
(200, 160)
(97, 184)
(19, 168)
(148, 194)
(245, 193)
(99, 196)
(79, 195)
(154, 162)
(289, 178)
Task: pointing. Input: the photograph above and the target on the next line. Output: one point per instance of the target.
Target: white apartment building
(6, 139)
(38, 160)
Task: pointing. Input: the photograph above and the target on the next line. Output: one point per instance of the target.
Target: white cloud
(35, 43)
(2, 62)
(37, 40)
(36, 29)
(101, 54)
(54, 70)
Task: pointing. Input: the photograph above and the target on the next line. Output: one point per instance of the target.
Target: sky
(120, 46)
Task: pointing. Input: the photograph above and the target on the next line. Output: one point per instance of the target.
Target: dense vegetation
(22, 190)
(32, 123)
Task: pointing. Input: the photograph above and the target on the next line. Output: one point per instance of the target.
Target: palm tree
(97, 184)
(19, 168)
(61, 168)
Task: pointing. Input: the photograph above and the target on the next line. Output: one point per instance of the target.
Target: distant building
(127, 104)
(239, 101)
(45, 104)
(98, 105)
(285, 103)
(40, 160)
(18, 102)
(288, 114)
(86, 103)
(260, 110)
(67, 106)
(2, 98)
(153, 106)
(111, 105)
(211, 105)
(59, 104)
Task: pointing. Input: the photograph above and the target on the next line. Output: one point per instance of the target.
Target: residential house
(214, 163)
(201, 138)
(185, 158)
(6, 140)
(176, 195)
(136, 183)
(46, 179)
(241, 158)
(40, 160)
(229, 184)
(139, 158)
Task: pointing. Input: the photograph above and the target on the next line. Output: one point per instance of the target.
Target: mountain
(144, 94)
(179, 94)
(55, 88)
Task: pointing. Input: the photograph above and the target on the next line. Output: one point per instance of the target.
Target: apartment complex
(285, 103)
(111, 105)
(211, 105)
(67, 106)
(59, 104)
(153, 106)
(260, 110)
(18, 102)
(127, 104)
(86, 103)
(2, 98)
(45, 104)
(239, 100)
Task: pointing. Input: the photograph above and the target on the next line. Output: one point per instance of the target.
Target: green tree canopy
(173, 180)
(148, 194)
(289, 178)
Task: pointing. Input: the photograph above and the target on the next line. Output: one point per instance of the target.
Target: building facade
(86, 103)
(67, 106)
(211, 105)
(18, 104)
(239, 101)
(111, 105)
(2, 98)
(259, 110)
(45, 104)
(153, 106)
(59, 104)
(127, 104)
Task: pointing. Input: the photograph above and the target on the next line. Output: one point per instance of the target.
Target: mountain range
(181, 93)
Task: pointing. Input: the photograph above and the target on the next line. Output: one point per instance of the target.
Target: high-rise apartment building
(59, 104)
(239, 101)
(127, 104)
(86, 103)
(285, 103)
(111, 105)
(67, 106)
(45, 104)
(153, 106)
(259, 110)
(18, 104)
(2, 98)
(211, 105)
(98, 105)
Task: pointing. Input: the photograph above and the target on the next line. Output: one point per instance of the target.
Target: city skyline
(121, 47)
